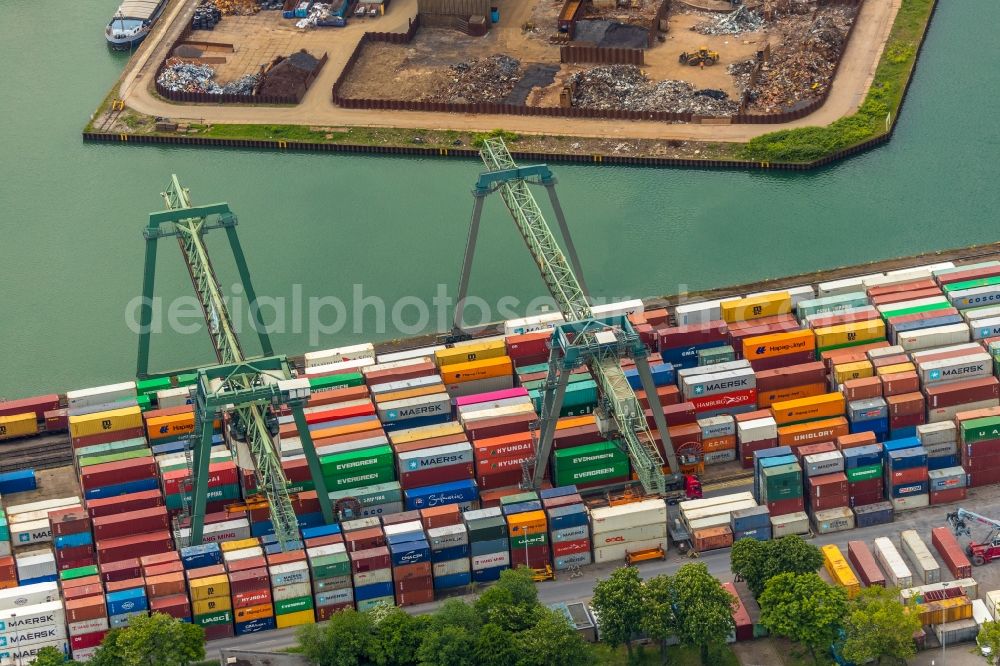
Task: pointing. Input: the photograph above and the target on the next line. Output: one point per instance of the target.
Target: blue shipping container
(908, 489)
(663, 375)
(450, 553)
(574, 515)
(39, 579)
(72, 540)
(205, 555)
(373, 591)
(862, 456)
(488, 575)
(416, 423)
(253, 626)
(411, 552)
(127, 601)
(320, 531)
(908, 431)
(521, 507)
(920, 324)
(878, 426)
(760, 534)
(405, 537)
(899, 443)
(908, 458)
(687, 357)
(560, 491)
(456, 492)
(477, 548)
(942, 462)
(17, 482)
(452, 580)
(123, 488)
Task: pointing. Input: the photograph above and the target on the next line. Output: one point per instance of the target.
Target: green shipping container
(589, 455)
(578, 394)
(352, 463)
(587, 475)
(978, 430)
(889, 314)
(361, 478)
(78, 572)
(213, 619)
(331, 570)
(112, 447)
(972, 284)
(831, 303)
(864, 473)
(382, 493)
(117, 456)
(147, 386)
(229, 492)
(529, 541)
(782, 482)
(518, 498)
(330, 382)
(187, 380)
(854, 343)
(293, 605)
(714, 355)
(301, 486)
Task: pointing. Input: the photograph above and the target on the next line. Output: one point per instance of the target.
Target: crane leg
(470, 252)
(574, 260)
(146, 307)
(315, 470)
(241, 265)
(552, 400)
(646, 377)
(199, 490)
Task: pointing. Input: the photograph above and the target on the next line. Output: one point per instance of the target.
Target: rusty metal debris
(626, 87)
(736, 22)
(238, 7)
(489, 79)
(182, 76)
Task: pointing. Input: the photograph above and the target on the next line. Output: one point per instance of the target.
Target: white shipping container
(968, 586)
(373, 577)
(491, 560)
(542, 322)
(343, 367)
(405, 355)
(880, 352)
(31, 635)
(174, 397)
(523, 406)
(993, 602)
(411, 527)
(291, 447)
(570, 534)
(722, 508)
(289, 573)
(646, 512)
(325, 551)
(969, 366)
(690, 505)
(803, 293)
(84, 654)
(450, 567)
(386, 509)
(790, 523)
(14, 512)
(844, 286)
(327, 356)
(618, 309)
(937, 433)
(941, 414)
(395, 365)
(721, 520)
(35, 531)
(757, 430)
(405, 384)
(5, 548)
(723, 425)
(436, 404)
(833, 520)
(35, 564)
(87, 626)
(942, 449)
(931, 269)
(319, 409)
(487, 385)
(448, 536)
(925, 567)
(31, 615)
(437, 456)
(29, 595)
(24, 656)
(99, 395)
(828, 462)
(897, 573)
(979, 612)
(934, 337)
(630, 535)
(985, 312)
(343, 595)
(967, 347)
(910, 502)
(360, 524)
(858, 313)
(227, 530)
(617, 552)
(687, 373)
(716, 383)
(293, 591)
(242, 554)
(698, 313)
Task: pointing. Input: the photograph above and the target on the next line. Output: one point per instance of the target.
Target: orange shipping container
(808, 409)
(768, 398)
(474, 370)
(718, 444)
(253, 612)
(778, 344)
(529, 522)
(826, 430)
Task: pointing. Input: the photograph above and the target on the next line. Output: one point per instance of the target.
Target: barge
(132, 22)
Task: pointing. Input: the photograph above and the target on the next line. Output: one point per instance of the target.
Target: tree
(445, 646)
(398, 636)
(804, 608)
(345, 640)
(552, 642)
(511, 603)
(658, 619)
(704, 608)
(50, 656)
(989, 637)
(618, 604)
(152, 640)
(877, 626)
(494, 647)
(757, 562)
(457, 613)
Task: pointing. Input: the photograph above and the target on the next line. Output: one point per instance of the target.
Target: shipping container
(897, 573)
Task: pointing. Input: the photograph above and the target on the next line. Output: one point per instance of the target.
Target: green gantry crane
(598, 343)
(246, 391)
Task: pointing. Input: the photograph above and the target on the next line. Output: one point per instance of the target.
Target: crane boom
(570, 297)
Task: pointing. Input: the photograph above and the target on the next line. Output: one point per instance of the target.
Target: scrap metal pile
(238, 7)
(802, 67)
(182, 76)
(489, 79)
(736, 22)
(289, 76)
(741, 71)
(626, 87)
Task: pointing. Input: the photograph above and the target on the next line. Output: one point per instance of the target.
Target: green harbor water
(71, 214)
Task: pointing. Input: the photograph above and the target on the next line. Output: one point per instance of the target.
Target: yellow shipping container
(469, 353)
(898, 367)
(856, 370)
(470, 372)
(808, 409)
(757, 307)
(212, 605)
(841, 573)
(159, 427)
(529, 522)
(112, 420)
(295, 619)
(426, 432)
(209, 588)
(253, 612)
(778, 344)
(845, 334)
(18, 425)
(946, 610)
(227, 546)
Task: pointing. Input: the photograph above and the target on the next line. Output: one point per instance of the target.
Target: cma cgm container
(926, 568)
(892, 563)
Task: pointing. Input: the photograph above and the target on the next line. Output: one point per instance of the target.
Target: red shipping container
(741, 618)
(947, 495)
(566, 438)
(906, 404)
(903, 288)
(866, 486)
(219, 474)
(864, 563)
(863, 499)
(218, 631)
(205, 572)
(532, 556)
(903, 476)
(84, 641)
(399, 374)
(885, 361)
(983, 449)
(863, 388)
(160, 558)
(671, 337)
(490, 499)
(501, 425)
(900, 297)
(505, 446)
(956, 393)
(177, 606)
(120, 548)
(370, 559)
(106, 437)
(440, 516)
(850, 354)
(72, 553)
(731, 400)
(364, 539)
(809, 449)
(668, 395)
(418, 584)
(525, 348)
(418, 571)
(253, 597)
(83, 591)
(684, 437)
(829, 502)
(287, 557)
(680, 414)
(812, 372)
(899, 382)
(564, 548)
(498, 480)
(36, 404)
(771, 363)
(951, 553)
(827, 484)
(415, 598)
(165, 585)
(119, 585)
(123, 569)
(86, 608)
(337, 413)
(72, 520)
(968, 274)
(866, 438)
(435, 475)
(56, 420)
(979, 478)
(747, 450)
(131, 522)
(402, 517)
(160, 569)
(107, 506)
(315, 542)
(786, 506)
(324, 613)
(564, 500)
(123, 471)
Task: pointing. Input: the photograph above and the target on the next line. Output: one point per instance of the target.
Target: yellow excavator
(702, 55)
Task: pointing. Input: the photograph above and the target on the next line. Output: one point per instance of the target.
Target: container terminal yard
(255, 495)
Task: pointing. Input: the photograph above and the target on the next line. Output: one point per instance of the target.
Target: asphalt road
(983, 500)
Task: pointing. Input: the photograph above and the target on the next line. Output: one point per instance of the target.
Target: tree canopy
(618, 604)
(757, 562)
(704, 608)
(152, 640)
(989, 637)
(659, 622)
(804, 608)
(877, 626)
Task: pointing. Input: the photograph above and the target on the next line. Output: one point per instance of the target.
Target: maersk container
(969, 366)
(985, 328)
(925, 568)
(412, 408)
(791, 523)
(829, 462)
(701, 386)
(892, 563)
(574, 560)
